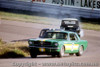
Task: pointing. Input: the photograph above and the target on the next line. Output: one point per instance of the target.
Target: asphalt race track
(11, 31)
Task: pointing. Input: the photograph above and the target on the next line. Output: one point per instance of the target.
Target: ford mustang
(57, 43)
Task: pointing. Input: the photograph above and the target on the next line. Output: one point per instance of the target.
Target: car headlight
(30, 42)
(56, 44)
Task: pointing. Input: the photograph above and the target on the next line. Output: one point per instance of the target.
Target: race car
(72, 24)
(57, 43)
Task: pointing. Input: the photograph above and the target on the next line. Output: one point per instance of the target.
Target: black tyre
(81, 50)
(71, 54)
(61, 53)
(53, 55)
(33, 55)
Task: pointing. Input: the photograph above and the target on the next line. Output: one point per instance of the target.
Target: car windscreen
(56, 35)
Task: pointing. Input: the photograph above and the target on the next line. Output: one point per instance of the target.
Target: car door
(72, 45)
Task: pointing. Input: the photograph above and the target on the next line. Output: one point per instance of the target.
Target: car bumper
(44, 50)
(44, 47)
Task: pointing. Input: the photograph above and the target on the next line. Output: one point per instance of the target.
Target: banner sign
(78, 3)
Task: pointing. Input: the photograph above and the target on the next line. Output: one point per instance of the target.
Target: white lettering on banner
(78, 3)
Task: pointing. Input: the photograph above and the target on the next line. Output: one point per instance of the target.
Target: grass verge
(43, 20)
(24, 18)
(90, 26)
(14, 50)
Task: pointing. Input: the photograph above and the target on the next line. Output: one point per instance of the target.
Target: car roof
(59, 30)
(71, 19)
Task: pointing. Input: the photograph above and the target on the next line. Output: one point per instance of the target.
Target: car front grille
(42, 44)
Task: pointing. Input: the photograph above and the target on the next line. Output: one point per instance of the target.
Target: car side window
(73, 37)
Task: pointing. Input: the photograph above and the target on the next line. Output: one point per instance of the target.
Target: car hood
(47, 39)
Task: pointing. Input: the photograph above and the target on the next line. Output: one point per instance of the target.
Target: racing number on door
(71, 47)
(73, 44)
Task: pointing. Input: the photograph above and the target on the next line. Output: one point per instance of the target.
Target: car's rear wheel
(81, 50)
(61, 53)
(71, 54)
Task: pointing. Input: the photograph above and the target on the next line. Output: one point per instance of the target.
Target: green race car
(57, 43)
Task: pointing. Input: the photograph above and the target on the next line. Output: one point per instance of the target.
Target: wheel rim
(62, 51)
(81, 50)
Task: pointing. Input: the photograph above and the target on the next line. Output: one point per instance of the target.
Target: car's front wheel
(53, 55)
(33, 55)
(81, 50)
(61, 53)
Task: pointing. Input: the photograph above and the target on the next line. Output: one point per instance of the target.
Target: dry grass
(90, 26)
(14, 50)
(24, 18)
